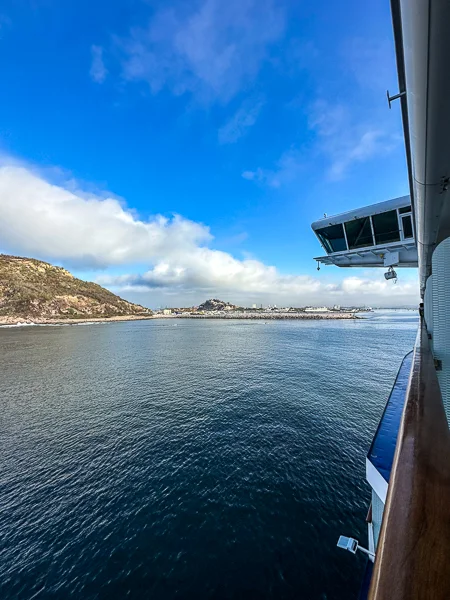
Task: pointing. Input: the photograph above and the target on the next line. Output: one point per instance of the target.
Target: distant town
(218, 309)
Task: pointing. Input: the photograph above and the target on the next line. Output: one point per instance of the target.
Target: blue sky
(175, 151)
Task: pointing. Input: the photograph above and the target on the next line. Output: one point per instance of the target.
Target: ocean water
(190, 459)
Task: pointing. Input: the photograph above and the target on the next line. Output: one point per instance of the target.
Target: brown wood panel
(413, 555)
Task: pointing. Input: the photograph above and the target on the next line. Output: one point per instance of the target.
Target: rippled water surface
(189, 459)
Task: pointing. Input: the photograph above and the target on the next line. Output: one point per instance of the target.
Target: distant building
(167, 311)
(316, 309)
(253, 305)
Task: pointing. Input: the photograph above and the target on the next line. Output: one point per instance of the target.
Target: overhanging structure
(379, 235)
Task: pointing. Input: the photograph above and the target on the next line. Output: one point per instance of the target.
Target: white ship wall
(440, 318)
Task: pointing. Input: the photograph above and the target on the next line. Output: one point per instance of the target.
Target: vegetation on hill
(33, 289)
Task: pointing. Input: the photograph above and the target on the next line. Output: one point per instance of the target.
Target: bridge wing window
(359, 233)
(407, 227)
(332, 238)
(385, 226)
(404, 209)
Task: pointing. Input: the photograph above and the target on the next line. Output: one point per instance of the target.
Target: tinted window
(332, 238)
(359, 233)
(404, 209)
(385, 226)
(407, 227)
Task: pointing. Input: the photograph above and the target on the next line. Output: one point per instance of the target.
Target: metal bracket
(391, 259)
(445, 181)
(392, 98)
(438, 364)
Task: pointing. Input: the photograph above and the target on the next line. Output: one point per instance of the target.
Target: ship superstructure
(374, 236)
(408, 463)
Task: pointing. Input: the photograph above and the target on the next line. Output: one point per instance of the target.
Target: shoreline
(267, 316)
(17, 321)
(21, 321)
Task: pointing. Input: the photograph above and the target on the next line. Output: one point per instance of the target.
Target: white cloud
(326, 119)
(344, 142)
(243, 119)
(366, 145)
(210, 273)
(89, 230)
(338, 138)
(341, 140)
(82, 228)
(212, 50)
(98, 71)
(287, 169)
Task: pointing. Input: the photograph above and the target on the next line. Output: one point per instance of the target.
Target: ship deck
(382, 450)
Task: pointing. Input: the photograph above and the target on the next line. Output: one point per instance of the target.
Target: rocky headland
(33, 291)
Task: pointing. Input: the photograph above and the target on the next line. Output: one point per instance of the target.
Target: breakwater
(264, 316)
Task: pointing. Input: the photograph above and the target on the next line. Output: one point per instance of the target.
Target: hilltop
(37, 291)
(215, 304)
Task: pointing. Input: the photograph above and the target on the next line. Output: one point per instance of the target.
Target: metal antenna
(392, 98)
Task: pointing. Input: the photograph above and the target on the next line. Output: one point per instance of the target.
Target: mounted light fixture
(352, 546)
(390, 274)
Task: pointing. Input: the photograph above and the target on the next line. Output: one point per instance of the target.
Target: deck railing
(413, 553)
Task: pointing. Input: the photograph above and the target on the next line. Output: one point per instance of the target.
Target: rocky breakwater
(270, 316)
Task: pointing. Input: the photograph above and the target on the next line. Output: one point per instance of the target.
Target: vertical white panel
(428, 304)
(377, 516)
(441, 317)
